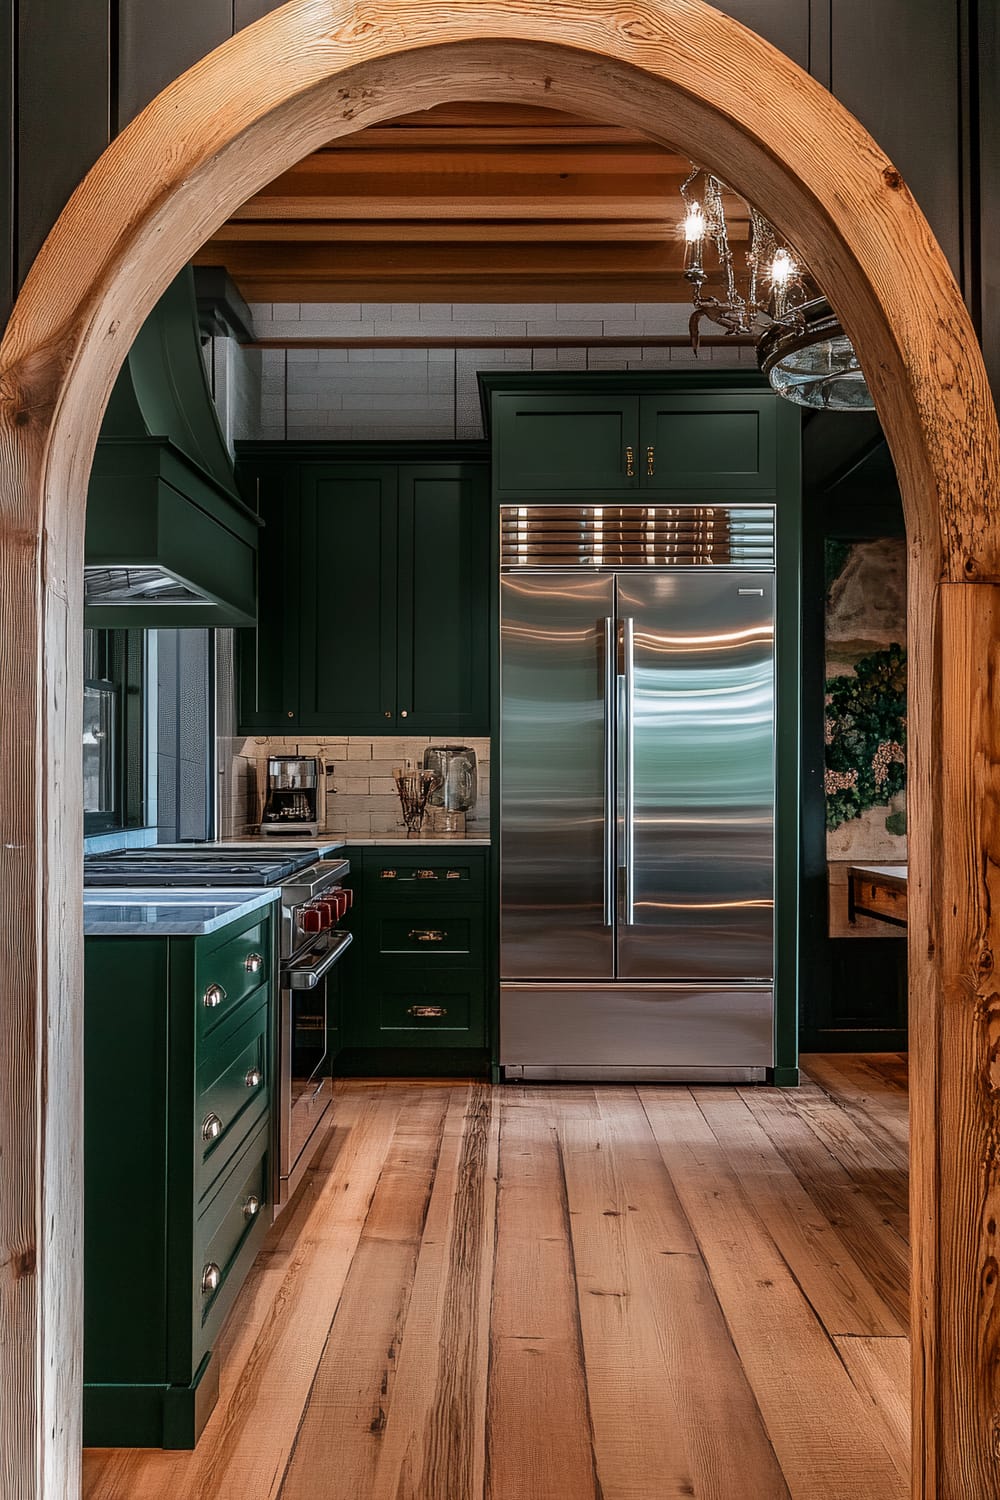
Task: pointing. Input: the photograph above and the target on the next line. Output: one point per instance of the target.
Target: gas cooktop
(197, 866)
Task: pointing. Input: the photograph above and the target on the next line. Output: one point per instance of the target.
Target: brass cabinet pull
(427, 874)
(629, 462)
(254, 963)
(251, 1207)
(427, 1012)
(427, 934)
(213, 996)
(386, 874)
(211, 1128)
(453, 875)
(254, 1078)
(650, 455)
(210, 1278)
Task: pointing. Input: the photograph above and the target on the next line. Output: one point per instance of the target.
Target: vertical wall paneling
(895, 65)
(784, 25)
(8, 225)
(988, 72)
(63, 73)
(158, 42)
(820, 40)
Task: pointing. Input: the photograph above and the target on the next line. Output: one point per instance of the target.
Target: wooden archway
(683, 73)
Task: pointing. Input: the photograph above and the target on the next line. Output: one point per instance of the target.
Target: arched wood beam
(684, 74)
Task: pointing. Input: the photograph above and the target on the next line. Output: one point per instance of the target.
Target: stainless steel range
(311, 939)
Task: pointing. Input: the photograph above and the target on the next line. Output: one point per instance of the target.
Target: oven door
(306, 1090)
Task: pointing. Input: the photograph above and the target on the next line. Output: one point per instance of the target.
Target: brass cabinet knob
(254, 963)
(254, 1078)
(251, 1207)
(291, 713)
(213, 996)
(402, 713)
(211, 1128)
(387, 714)
(427, 1012)
(629, 462)
(427, 934)
(210, 1279)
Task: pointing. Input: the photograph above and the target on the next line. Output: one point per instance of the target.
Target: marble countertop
(333, 842)
(136, 912)
(890, 872)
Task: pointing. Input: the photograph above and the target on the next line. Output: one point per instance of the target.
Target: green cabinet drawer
(233, 1088)
(237, 1214)
(457, 876)
(408, 1009)
(425, 934)
(228, 968)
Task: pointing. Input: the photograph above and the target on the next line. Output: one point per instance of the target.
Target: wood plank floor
(573, 1293)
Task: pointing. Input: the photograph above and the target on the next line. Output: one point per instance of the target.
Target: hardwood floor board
(337, 1447)
(862, 1092)
(813, 1413)
(880, 1369)
(571, 1292)
(853, 1207)
(433, 1446)
(837, 1287)
(539, 1441)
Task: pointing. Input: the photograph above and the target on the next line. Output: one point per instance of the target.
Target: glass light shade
(812, 361)
(695, 223)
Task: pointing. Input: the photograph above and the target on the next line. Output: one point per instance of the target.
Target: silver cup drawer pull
(211, 1128)
(254, 1078)
(251, 1207)
(254, 963)
(427, 1012)
(213, 996)
(211, 1276)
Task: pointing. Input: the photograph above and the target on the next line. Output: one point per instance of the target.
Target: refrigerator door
(557, 681)
(696, 766)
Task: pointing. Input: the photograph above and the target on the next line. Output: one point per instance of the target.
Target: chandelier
(801, 346)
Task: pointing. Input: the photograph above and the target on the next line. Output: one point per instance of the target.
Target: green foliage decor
(866, 736)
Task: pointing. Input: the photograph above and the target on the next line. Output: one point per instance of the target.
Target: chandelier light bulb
(694, 224)
(783, 269)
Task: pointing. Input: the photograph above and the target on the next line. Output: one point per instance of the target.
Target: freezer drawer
(635, 1030)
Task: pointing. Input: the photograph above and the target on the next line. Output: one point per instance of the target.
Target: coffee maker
(457, 787)
(292, 804)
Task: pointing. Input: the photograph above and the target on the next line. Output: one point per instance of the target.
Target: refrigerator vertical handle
(610, 811)
(627, 736)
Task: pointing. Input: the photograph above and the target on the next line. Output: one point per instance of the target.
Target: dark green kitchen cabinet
(374, 602)
(636, 435)
(178, 1053)
(420, 981)
(575, 445)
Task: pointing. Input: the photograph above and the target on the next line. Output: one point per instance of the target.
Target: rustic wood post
(688, 76)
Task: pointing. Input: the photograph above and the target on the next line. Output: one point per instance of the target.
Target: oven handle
(310, 971)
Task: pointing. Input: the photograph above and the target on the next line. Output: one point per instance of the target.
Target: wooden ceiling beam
(405, 137)
(486, 206)
(471, 158)
(444, 231)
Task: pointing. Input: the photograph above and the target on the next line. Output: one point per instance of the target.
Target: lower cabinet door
(429, 1009)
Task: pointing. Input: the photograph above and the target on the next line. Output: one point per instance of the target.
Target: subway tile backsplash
(358, 794)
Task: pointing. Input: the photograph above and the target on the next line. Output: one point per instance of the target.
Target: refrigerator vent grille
(637, 536)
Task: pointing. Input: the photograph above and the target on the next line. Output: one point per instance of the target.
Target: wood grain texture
(545, 1301)
(683, 74)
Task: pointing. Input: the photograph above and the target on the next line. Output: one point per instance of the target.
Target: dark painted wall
(916, 72)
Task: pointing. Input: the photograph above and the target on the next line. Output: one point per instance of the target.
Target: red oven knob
(350, 896)
(311, 919)
(342, 902)
(328, 906)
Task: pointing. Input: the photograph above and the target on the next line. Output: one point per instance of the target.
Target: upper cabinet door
(347, 567)
(268, 662)
(443, 661)
(571, 445)
(718, 442)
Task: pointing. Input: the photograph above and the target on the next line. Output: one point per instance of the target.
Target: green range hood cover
(163, 503)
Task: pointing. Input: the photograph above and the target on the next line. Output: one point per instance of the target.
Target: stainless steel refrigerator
(637, 791)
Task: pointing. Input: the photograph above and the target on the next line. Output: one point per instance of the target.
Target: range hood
(169, 541)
